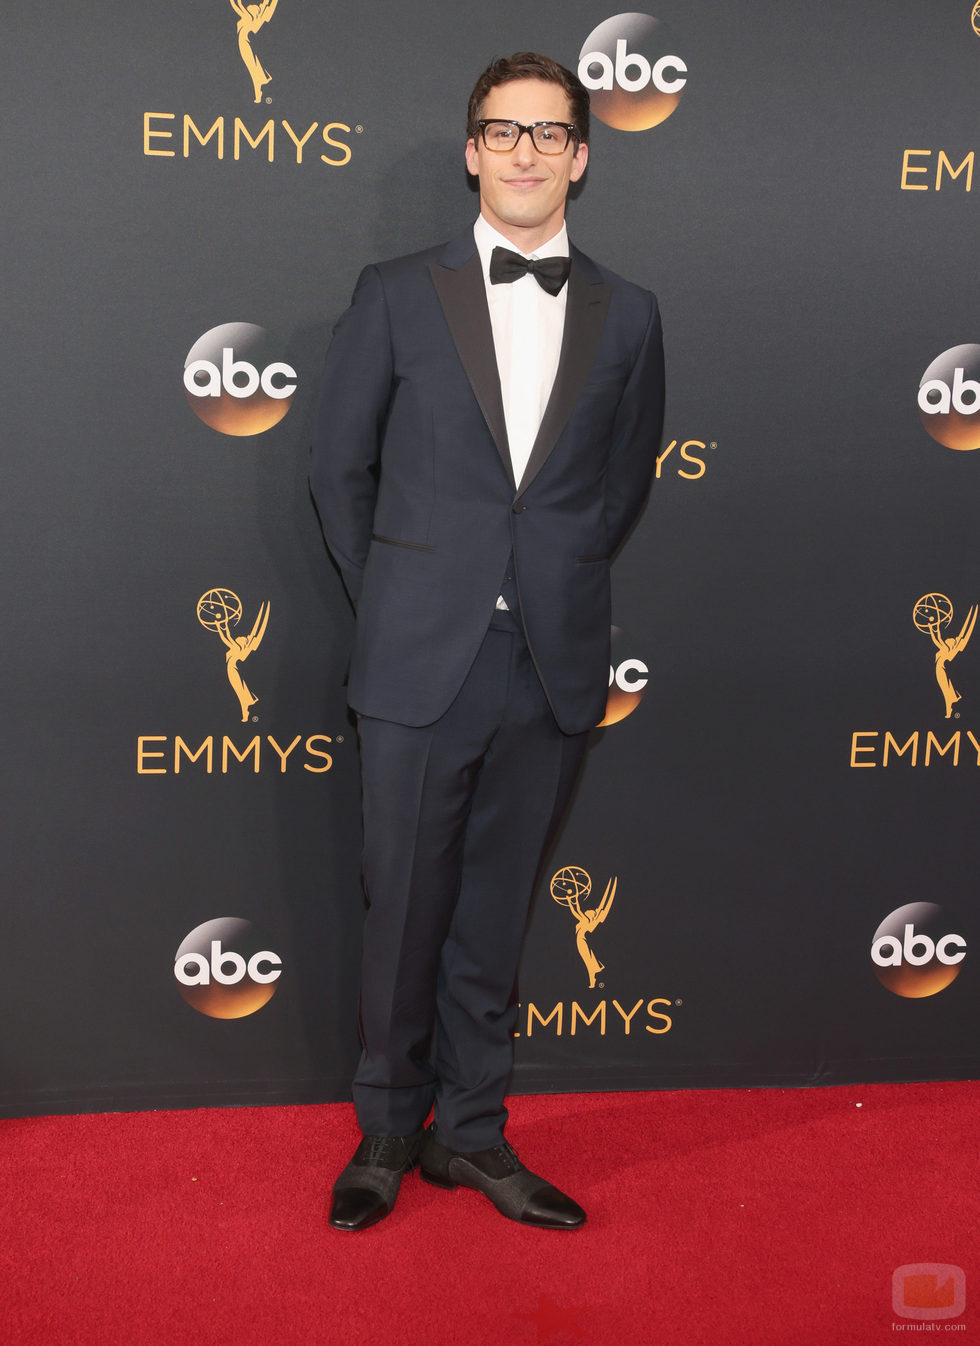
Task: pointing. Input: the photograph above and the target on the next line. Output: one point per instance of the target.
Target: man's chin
(529, 218)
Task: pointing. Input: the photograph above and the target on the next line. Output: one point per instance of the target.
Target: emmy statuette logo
(571, 887)
(635, 1015)
(931, 615)
(250, 19)
(210, 134)
(219, 610)
(975, 18)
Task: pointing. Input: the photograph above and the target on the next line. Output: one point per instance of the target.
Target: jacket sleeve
(349, 427)
(636, 434)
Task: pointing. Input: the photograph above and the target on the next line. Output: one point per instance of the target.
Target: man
(486, 436)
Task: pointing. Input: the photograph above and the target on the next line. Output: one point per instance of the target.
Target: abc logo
(629, 67)
(225, 969)
(914, 953)
(949, 398)
(628, 678)
(236, 380)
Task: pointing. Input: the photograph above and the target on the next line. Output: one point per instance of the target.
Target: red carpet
(727, 1216)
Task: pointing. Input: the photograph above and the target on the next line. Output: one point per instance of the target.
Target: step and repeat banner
(768, 876)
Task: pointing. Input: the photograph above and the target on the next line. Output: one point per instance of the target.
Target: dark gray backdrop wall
(776, 788)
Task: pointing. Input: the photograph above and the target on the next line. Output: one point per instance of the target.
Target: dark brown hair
(529, 65)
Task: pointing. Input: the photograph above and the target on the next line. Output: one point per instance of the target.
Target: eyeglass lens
(548, 137)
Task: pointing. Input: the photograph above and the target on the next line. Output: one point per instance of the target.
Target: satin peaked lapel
(463, 296)
(585, 318)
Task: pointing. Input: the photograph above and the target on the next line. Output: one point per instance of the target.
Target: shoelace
(383, 1151)
(506, 1152)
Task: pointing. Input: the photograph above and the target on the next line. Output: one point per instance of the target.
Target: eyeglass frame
(570, 127)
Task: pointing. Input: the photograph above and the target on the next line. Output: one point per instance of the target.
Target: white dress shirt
(528, 324)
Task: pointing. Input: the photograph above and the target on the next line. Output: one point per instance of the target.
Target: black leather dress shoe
(366, 1190)
(500, 1175)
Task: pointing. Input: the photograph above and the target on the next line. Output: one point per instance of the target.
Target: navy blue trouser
(457, 818)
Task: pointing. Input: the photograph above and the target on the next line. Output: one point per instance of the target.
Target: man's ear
(579, 160)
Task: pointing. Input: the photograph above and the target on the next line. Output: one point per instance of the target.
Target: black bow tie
(550, 272)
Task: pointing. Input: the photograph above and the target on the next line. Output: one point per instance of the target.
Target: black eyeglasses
(546, 137)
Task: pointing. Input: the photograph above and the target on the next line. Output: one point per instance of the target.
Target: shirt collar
(488, 238)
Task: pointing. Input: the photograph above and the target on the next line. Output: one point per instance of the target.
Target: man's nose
(525, 151)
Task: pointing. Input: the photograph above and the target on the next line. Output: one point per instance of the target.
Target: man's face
(522, 193)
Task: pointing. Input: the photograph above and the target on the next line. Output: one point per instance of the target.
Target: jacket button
(518, 508)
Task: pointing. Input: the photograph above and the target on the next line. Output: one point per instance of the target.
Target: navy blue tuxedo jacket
(412, 479)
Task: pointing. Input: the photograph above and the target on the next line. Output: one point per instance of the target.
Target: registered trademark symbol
(601, 985)
(255, 719)
(956, 715)
(340, 738)
(678, 1002)
(268, 100)
(358, 130)
(713, 445)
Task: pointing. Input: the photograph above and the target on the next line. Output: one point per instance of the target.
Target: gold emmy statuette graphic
(931, 614)
(570, 887)
(219, 610)
(250, 20)
(975, 18)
